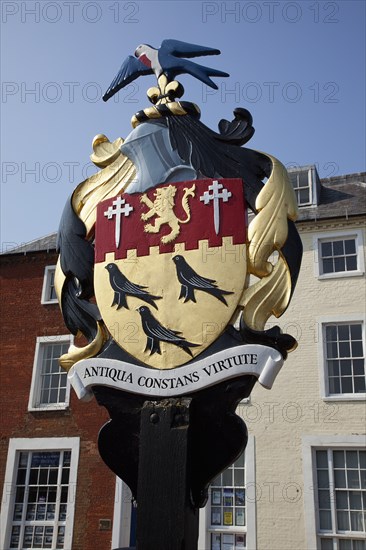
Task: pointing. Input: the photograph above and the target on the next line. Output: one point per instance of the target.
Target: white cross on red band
(121, 208)
(216, 195)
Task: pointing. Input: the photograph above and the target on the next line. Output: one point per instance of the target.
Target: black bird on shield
(156, 333)
(191, 281)
(123, 287)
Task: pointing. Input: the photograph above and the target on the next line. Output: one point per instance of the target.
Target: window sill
(227, 528)
(341, 275)
(345, 397)
(50, 408)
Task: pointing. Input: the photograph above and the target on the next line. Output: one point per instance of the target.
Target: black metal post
(166, 518)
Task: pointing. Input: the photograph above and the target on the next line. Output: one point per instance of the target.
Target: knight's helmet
(148, 147)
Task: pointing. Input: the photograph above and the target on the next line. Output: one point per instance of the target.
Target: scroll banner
(257, 360)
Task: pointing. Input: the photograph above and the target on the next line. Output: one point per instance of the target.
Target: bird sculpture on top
(167, 60)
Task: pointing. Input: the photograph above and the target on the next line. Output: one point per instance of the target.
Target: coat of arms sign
(173, 256)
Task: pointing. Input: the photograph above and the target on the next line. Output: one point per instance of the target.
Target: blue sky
(297, 66)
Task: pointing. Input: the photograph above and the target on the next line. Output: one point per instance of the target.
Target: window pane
(352, 459)
(322, 459)
(358, 367)
(355, 500)
(340, 479)
(216, 516)
(326, 544)
(360, 384)
(345, 544)
(331, 333)
(357, 349)
(333, 368)
(303, 179)
(350, 246)
(325, 520)
(239, 477)
(323, 479)
(239, 497)
(357, 521)
(328, 266)
(342, 500)
(215, 541)
(339, 459)
(227, 477)
(324, 499)
(338, 248)
(347, 385)
(304, 196)
(356, 332)
(353, 479)
(362, 458)
(216, 481)
(339, 264)
(343, 332)
(351, 263)
(326, 249)
(334, 385)
(239, 463)
(346, 367)
(332, 350)
(343, 521)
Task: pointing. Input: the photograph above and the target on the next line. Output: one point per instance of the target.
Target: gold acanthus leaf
(117, 173)
(268, 231)
(74, 354)
(269, 296)
(105, 152)
(276, 203)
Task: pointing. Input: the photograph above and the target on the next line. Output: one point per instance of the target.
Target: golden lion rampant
(163, 208)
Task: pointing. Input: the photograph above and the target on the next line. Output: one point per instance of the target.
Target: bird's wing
(173, 66)
(134, 288)
(123, 284)
(198, 281)
(162, 333)
(185, 49)
(202, 282)
(130, 69)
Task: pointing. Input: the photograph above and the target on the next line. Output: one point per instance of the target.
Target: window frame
(310, 171)
(311, 444)
(204, 541)
(36, 379)
(334, 236)
(48, 270)
(122, 513)
(323, 370)
(17, 445)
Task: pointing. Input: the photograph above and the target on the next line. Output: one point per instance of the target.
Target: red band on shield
(215, 209)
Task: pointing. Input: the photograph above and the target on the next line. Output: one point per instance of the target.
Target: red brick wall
(22, 319)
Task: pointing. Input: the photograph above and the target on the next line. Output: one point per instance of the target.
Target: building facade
(56, 489)
(301, 482)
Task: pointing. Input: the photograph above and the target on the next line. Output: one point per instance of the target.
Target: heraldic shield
(170, 267)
